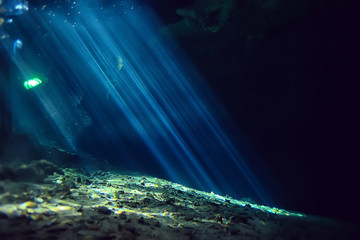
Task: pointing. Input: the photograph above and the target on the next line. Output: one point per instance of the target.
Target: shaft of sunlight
(122, 70)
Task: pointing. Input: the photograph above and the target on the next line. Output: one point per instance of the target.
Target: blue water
(113, 89)
(14, 7)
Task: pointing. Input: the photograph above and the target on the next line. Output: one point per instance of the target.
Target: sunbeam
(116, 91)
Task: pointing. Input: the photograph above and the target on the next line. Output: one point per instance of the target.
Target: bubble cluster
(70, 10)
(13, 7)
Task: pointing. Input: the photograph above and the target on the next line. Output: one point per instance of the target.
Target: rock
(239, 219)
(209, 15)
(45, 167)
(37, 214)
(108, 227)
(103, 210)
(141, 220)
(170, 201)
(122, 216)
(68, 183)
(37, 171)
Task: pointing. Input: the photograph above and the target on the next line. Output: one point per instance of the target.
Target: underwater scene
(183, 119)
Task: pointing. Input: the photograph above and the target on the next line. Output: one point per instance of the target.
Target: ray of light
(115, 74)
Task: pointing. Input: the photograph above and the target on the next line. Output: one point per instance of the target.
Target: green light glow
(31, 83)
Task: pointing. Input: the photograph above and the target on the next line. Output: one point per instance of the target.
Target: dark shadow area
(286, 73)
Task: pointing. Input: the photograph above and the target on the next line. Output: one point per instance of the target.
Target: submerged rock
(119, 206)
(36, 171)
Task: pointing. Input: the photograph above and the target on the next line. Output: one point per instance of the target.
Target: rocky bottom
(80, 204)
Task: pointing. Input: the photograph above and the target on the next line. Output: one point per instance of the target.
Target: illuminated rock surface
(111, 205)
